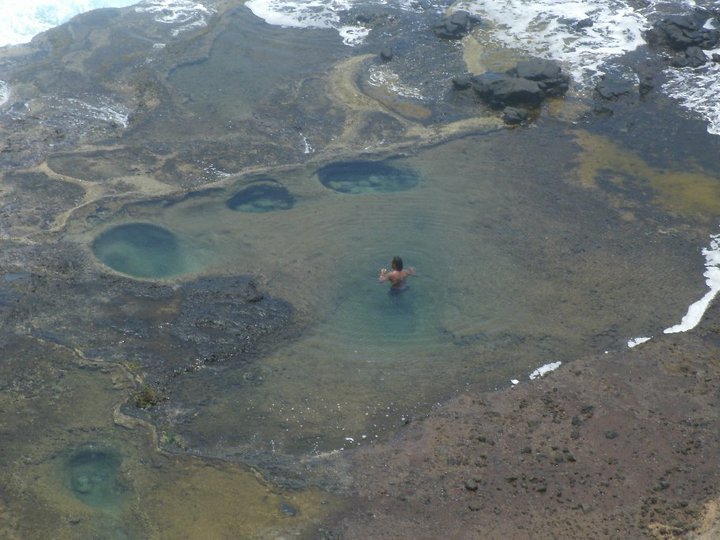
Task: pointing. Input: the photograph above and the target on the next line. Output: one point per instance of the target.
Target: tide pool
(510, 276)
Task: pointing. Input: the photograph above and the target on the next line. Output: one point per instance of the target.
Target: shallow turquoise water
(505, 277)
(141, 250)
(366, 177)
(261, 197)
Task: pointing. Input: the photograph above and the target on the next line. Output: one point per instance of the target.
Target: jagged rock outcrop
(456, 26)
(525, 85)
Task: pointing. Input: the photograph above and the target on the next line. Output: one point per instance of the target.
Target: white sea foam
(353, 35)
(20, 21)
(115, 114)
(382, 76)
(308, 147)
(321, 14)
(712, 275)
(300, 13)
(553, 29)
(182, 14)
(544, 370)
(4, 93)
(696, 90)
(83, 115)
(637, 341)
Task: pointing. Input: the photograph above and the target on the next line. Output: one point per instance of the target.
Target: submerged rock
(165, 330)
(611, 87)
(515, 115)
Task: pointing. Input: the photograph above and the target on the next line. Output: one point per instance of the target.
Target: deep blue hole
(265, 197)
(366, 177)
(140, 249)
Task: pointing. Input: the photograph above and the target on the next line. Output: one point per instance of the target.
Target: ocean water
(20, 21)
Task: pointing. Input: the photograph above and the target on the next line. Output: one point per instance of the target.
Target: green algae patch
(73, 467)
(602, 163)
(199, 499)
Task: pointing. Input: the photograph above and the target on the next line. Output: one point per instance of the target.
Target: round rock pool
(140, 250)
(366, 177)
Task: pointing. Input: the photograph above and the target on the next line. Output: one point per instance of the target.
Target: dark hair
(397, 263)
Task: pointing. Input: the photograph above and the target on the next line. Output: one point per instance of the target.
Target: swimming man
(397, 276)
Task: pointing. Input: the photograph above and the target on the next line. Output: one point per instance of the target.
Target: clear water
(508, 279)
(264, 197)
(366, 177)
(141, 250)
(93, 477)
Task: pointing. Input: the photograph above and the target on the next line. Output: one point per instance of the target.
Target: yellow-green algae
(693, 193)
(62, 405)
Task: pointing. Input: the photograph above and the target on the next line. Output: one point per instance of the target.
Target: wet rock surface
(161, 332)
(685, 38)
(680, 32)
(529, 83)
(456, 25)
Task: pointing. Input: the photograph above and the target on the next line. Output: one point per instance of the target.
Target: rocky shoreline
(618, 445)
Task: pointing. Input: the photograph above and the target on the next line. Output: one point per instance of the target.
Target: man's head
(397, 263)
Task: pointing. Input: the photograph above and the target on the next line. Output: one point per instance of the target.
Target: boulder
(455, 26)
(527, 84)
(692, 57)
(501, 90)
(386, 54)
(678, 32)
(462, 82)
(515, 115)
(611, 88)
(548, 75)
(576, 24)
